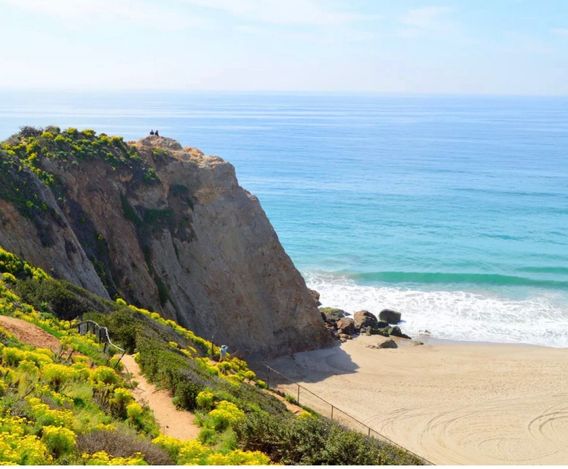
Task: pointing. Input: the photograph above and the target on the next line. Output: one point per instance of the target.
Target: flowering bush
(105, 375)
(44, 415)
(23, 450)
(205, 400)
(225, 414)
(101, 458)
(120, 400)
(57, 375)
(193, 452)
(59, 440)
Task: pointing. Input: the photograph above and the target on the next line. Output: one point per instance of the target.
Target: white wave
(541, 319)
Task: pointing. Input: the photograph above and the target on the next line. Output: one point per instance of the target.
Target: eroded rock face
(190, 242)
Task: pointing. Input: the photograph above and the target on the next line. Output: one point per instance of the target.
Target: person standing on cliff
(223, 352)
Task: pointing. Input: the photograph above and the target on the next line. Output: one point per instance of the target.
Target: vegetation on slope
(32, 146)
(73, 407)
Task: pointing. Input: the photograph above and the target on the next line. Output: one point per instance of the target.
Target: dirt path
(173, 422)
(29, 333)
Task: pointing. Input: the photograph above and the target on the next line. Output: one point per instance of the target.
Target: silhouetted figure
(152, 132)
(156, 133)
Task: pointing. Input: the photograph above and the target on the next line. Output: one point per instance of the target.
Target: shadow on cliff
(305, 367)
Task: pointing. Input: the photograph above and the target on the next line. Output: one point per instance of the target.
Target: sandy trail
(173, 422)
(450, 403)
(29, 333)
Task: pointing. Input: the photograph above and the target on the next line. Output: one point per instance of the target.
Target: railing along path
(308, 398)
(102, 335)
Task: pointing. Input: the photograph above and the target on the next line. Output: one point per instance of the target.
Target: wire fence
(306, 398)
(102, 335)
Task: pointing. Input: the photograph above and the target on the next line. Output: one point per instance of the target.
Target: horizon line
(377, 93)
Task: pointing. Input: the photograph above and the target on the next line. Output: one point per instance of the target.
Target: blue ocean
(452, 210)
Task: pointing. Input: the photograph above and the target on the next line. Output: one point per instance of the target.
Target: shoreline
(456, 312)
(450, 402)
(430, 340)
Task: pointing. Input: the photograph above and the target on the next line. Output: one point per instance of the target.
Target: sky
(503, 47)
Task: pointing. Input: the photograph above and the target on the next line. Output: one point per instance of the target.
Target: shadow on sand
(306, 367)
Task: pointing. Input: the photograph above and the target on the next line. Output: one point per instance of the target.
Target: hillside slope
(164, 227)
(75, 406)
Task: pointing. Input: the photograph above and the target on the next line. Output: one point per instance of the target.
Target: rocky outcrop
(180, 236)
(332, 315)
(364, 319)
(346, 326)
(390, 316)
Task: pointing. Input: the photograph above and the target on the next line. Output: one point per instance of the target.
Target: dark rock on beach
(332, 314)
(388, 344)
(346, 326)
(390, 316)
(364, 319)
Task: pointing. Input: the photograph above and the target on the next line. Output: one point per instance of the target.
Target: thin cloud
(425, 19)
(289, 12)
(132, 11)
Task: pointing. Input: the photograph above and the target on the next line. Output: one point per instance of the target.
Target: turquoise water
(453, 210)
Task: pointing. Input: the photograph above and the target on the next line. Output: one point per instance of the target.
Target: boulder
(390, 316)
(346, 326)
(388, 344)
(332, 314)
(315, 295)
(384, 331)
(364, 319)
(395, 331)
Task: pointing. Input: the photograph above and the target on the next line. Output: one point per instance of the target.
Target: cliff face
(163, 227)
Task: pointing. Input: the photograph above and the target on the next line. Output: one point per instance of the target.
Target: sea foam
(536, 317)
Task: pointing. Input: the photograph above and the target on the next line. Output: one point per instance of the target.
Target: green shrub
(104, 375)
(205, 400)
(57, 375)
(225, 414)
(314, 441)
(61, 298)
(12, 356)
(119, 402)
(9, 278)
(186, 393)
(59, 440)
(134, 411)
(16, 449)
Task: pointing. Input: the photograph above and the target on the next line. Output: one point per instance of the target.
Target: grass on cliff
(31, 146)
(30, 150)
(241, 422)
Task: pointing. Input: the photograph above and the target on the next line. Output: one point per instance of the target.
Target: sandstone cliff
(164, 227)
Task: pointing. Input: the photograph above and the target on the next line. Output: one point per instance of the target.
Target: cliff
(165, 227)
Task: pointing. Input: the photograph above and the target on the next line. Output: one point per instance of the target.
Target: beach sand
(452, 403)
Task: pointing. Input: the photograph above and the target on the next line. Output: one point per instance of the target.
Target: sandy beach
(452, 403)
